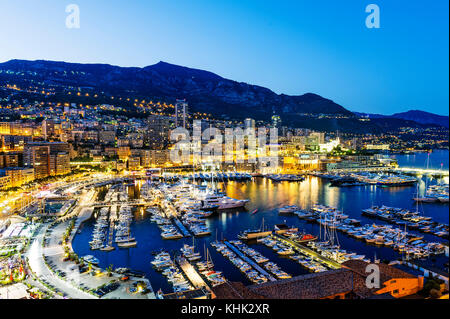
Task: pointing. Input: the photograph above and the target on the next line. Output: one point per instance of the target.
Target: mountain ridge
(206, 92)
(419, 116)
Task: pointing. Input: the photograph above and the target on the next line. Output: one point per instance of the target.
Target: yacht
(224, 202)
(288, 209)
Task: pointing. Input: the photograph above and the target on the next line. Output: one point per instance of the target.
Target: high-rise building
(249, 123)
(157, 135)
(181, 113)
(48, 128)
(16, 128)
(9, 160)
(145, 156)
(20, 175)
(62, 164)
(47, 158)
(38, 157)
(14, 142)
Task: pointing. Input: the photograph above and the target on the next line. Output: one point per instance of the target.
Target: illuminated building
(47, 158)
(157, 135)
(159, 157)
(145, 156)
(249, 123)
(20, 175)
(381, 147)
(107, 137)
(14, 142)
(5, 182)
(134, 163)
(328, 147)
(16, 128)
(9, 160)
(123, 152)
(61, 164)
(181, 112)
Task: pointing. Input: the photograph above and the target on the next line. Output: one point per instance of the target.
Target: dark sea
(267, 197)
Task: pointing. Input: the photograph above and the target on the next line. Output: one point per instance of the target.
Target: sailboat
(189, 251)
(254, 234)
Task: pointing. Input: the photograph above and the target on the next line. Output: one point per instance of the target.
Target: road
(38, 266)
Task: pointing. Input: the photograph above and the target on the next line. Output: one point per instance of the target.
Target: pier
(421, 171)
(181, 227)
(191, 273)
(133, 202)
(309, 252)
(249, 261)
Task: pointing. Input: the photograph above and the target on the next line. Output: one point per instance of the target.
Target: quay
(249, 261)
(181, 227)
(191, 272)
(309, 252)
(138, 202)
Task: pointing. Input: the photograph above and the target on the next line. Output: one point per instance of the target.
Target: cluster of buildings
(46, 140)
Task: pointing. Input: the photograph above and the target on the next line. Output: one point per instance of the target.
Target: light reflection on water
(266, 196)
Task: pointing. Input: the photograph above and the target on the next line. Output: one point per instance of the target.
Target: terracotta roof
(386, 272)
(311, 286)
(234, 290)
(350, 278)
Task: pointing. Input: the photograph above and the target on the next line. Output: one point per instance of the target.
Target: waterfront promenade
(46, 260)
(191, 273)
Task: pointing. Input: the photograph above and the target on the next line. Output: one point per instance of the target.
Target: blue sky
(291, 47)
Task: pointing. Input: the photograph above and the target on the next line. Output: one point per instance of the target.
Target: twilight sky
(291, 47)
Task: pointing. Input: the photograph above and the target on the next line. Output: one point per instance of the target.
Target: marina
(412, 220)
(382, 235)
(244, 150)
(230, 223)
(343, 179)
(250, 269)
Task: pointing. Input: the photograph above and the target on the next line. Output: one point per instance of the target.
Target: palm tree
(109, 270)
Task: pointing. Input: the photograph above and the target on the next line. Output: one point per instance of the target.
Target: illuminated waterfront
(267, 197)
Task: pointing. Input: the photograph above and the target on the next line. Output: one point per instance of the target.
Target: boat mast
(417, 202)
(426, 178)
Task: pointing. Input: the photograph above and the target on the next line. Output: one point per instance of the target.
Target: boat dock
(181, 227)
(249, 261)
(309, 252)
(191, 273)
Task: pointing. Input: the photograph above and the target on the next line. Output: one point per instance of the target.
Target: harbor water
(267, 196)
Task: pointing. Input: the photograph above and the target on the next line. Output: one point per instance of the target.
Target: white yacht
(224, 202)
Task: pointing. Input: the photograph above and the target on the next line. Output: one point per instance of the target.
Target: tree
(109, 270)
(435, 294)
